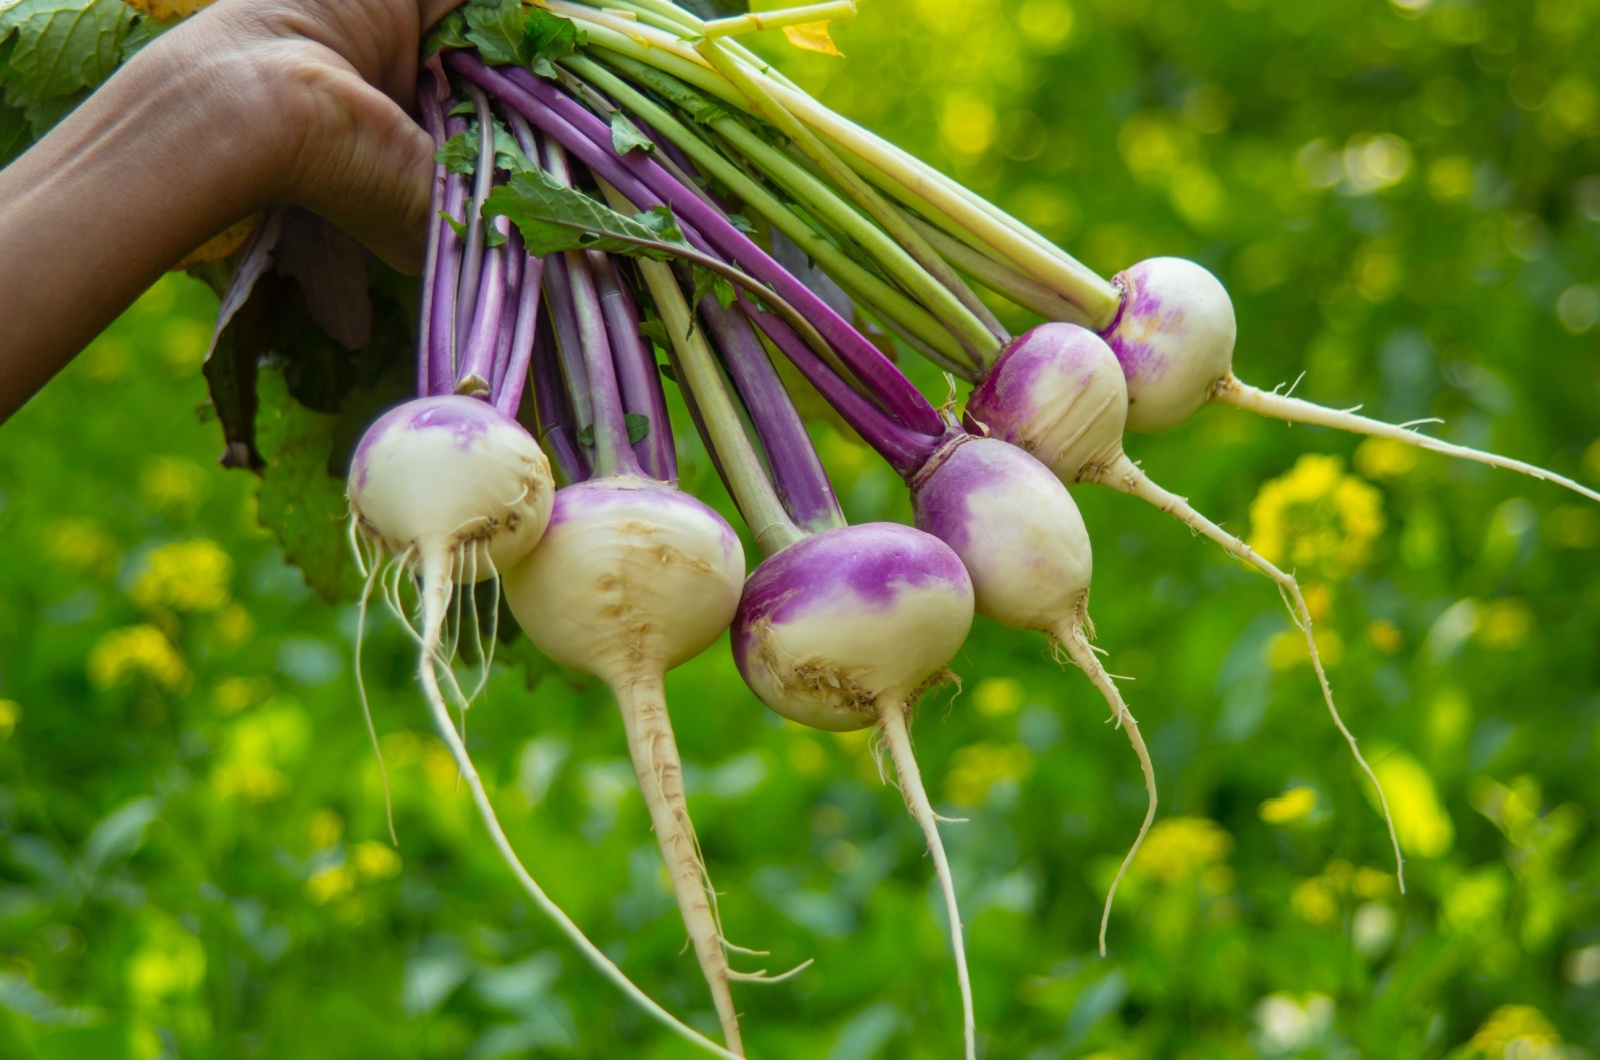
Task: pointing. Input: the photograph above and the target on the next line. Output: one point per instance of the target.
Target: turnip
(452, 490)
(1059, 393)
(631, 579)
(1019, 534)
(1173, 335)
(842, 629)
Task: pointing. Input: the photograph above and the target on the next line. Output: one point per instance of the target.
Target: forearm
(166, 154)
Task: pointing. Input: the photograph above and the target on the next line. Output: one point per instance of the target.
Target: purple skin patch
(1142, 318)
(1006, 398)
(853, 568)
(942, 502)
(591, 499)
(466, 418)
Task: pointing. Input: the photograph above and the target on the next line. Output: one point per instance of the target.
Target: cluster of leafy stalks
(613, 179)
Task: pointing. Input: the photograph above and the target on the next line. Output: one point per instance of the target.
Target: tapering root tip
(1295, 410)
(1078, 648)
(892, 724)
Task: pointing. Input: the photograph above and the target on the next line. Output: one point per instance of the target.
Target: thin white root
(1133, 481)
(892, 725)
(1078, 648)
(1282, 407)
(366, 706)
(655, 760)
(433, 615)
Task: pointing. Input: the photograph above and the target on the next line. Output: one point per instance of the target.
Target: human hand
(248, 104)
(326, 83)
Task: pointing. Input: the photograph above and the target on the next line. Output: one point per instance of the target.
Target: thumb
(375, 181)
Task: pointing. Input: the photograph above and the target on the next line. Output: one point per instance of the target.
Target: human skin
(248, 104)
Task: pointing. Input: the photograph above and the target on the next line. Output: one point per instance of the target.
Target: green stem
(1029, 294)
(883, 300)
(757, 21)
(883, 164)
(747, 479)
(949, 297)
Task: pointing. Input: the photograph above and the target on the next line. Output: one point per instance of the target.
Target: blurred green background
(1404, 199)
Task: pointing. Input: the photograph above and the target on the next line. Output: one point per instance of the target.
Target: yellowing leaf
(224, 244)
(813, 37)
(165, 9)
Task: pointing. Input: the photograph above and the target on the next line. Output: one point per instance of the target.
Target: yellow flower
(1314, 901)
(1317, 518)
(331, 883)
(375, 861)
(325, 828)
(1180, 847)
(84, 545)
(1385, 458)
(1293, 805)
(169, 961)
(185, 576)
(1420, 820)
(1517, 1030)
(1384, 636)
(981, 766)
(137, 652)
(172, 484)
(1288, 649)
(1504, 624)
(998, 696)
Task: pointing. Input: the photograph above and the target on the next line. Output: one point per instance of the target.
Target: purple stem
(508, 314)
(635, 364)
(442, 327)
(482, 184)
(429, 89)
(569, 346)
(905, 450)
(646, 184)
(613, 453)
(509, 387)
(797, 473)
(552, 407)
(476, 374)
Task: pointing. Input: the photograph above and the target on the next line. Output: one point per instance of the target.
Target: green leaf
(656, 332)
(493, 237)
(668, 372)
(508, 153)
(706, 283)
(300, 502)
(586, 436)
(63, 45)
(451, 32)
(459, 228)
(625, 136)
(701, 108)
(14, 137)
(552, 218)
(638, 427)
(496, 27)
(549, 37)
(466, 108)
(742, 223)
(459, 154)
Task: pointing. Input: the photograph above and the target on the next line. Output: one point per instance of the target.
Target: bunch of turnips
(627, 199)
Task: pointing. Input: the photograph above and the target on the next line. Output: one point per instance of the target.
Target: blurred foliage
(1404, 198)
